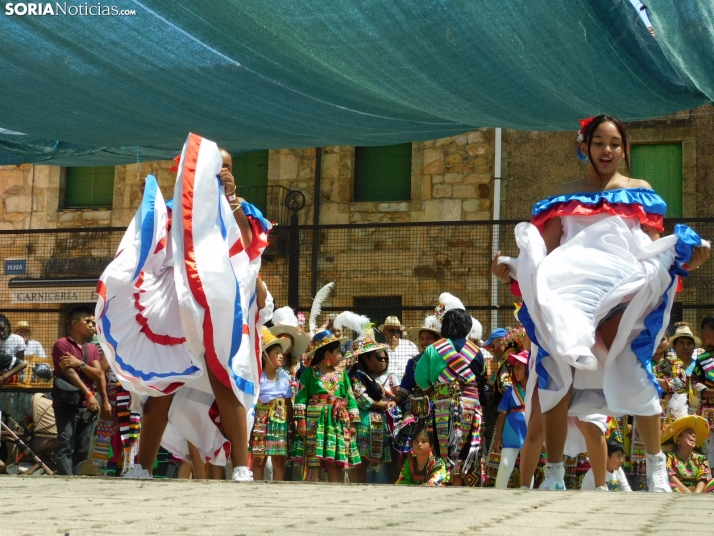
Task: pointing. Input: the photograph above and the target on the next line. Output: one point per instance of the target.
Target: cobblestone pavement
(84, 505)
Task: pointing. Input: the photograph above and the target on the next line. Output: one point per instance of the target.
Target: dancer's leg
(555, 428)
(199, 467)
(259, 467)
(334, 472)
(153, 425)
(358, 473)
(650, 431)
(278, 468)
(233, 420)
(505, 468)
(533, 443)
(597, 451)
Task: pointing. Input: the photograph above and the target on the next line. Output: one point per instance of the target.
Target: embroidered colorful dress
(691, 472)
(671, 370)
(270, 431)
(703, 378)
(413, 411)
(326, 406)
(372, 433)
(433, 474)
(605, 264)
(450, 371)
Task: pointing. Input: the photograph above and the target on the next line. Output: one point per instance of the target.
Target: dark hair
(708, 322)
(456, 324)
(320, 352)
(592, 127)
(423, 432)
(4, 321)
(614, 447)
(81, 311)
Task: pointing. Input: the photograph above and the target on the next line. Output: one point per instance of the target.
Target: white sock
(554, 466)
(651, 457)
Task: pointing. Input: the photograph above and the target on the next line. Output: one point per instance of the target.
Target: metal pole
(294, 263)
(316, 218)
(496, 237)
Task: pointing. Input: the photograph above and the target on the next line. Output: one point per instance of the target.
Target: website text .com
(63, 8)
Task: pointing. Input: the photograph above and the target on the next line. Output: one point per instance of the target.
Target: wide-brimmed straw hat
(285, 322)
(684, 330)
(270, 340)
(22, 324)
(323, 338)
(391, 322)
(695, 422)
(430, 324)
(365, 345)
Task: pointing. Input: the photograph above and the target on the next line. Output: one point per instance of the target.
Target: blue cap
(495, 334)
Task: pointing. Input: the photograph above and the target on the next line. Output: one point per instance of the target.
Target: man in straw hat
(689, 471)
(400, 350)
(33, 347)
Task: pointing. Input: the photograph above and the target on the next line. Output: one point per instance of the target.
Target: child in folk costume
(287, 326)
(616, 479)
(372, 433)
(325, 413)
(511, 423)
(422, 468)
(273, 411)
(450, 370)
(598, 285)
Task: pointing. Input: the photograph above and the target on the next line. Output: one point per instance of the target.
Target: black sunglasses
(394, 331)
(381, 358)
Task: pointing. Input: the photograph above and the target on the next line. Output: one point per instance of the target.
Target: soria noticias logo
(23, 9)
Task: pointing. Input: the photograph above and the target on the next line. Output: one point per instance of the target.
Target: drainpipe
(496, 237)
(316, 218)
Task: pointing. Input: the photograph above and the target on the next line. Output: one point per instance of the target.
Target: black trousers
(74, 437)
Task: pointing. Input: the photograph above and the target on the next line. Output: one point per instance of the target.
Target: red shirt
(67, 345)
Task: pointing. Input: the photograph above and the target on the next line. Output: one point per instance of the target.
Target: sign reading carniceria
(53, 295)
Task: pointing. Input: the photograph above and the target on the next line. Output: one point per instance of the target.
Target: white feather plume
(476, 329)
(432, 322)
(320, 297)
(450, 302)
(360, 324)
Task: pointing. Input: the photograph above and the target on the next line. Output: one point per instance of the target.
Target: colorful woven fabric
(433, 473)
(690, 472)
(457, 363)
(270, 431)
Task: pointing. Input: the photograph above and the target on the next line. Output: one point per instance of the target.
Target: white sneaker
(138, 472)
(242, 474)
(554, 478)
(657, 479)
(602, 488)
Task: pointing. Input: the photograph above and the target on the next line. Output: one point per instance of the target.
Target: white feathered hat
(476, 330)
(285, 322)
(430, 324)
(447, 302)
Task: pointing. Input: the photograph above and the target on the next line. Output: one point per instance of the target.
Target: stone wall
(31, 197)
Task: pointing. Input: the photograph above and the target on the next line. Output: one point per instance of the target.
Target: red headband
(584, 124)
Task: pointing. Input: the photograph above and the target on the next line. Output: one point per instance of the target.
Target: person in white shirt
(615, 477)
(400, 350)
(33, 347)
(11, 344)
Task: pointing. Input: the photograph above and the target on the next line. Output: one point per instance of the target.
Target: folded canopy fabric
(257, 74)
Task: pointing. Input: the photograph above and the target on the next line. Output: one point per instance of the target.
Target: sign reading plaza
(63, 8)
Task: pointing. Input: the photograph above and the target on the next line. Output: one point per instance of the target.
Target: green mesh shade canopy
(270, 74)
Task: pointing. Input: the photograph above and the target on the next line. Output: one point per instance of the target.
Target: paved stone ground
(85, 505)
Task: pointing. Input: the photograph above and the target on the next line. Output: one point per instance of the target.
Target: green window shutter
(90, 187)
(250, 171)
(383, 173)
(661, 166)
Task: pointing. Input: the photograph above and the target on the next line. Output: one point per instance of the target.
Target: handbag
(66, 394)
